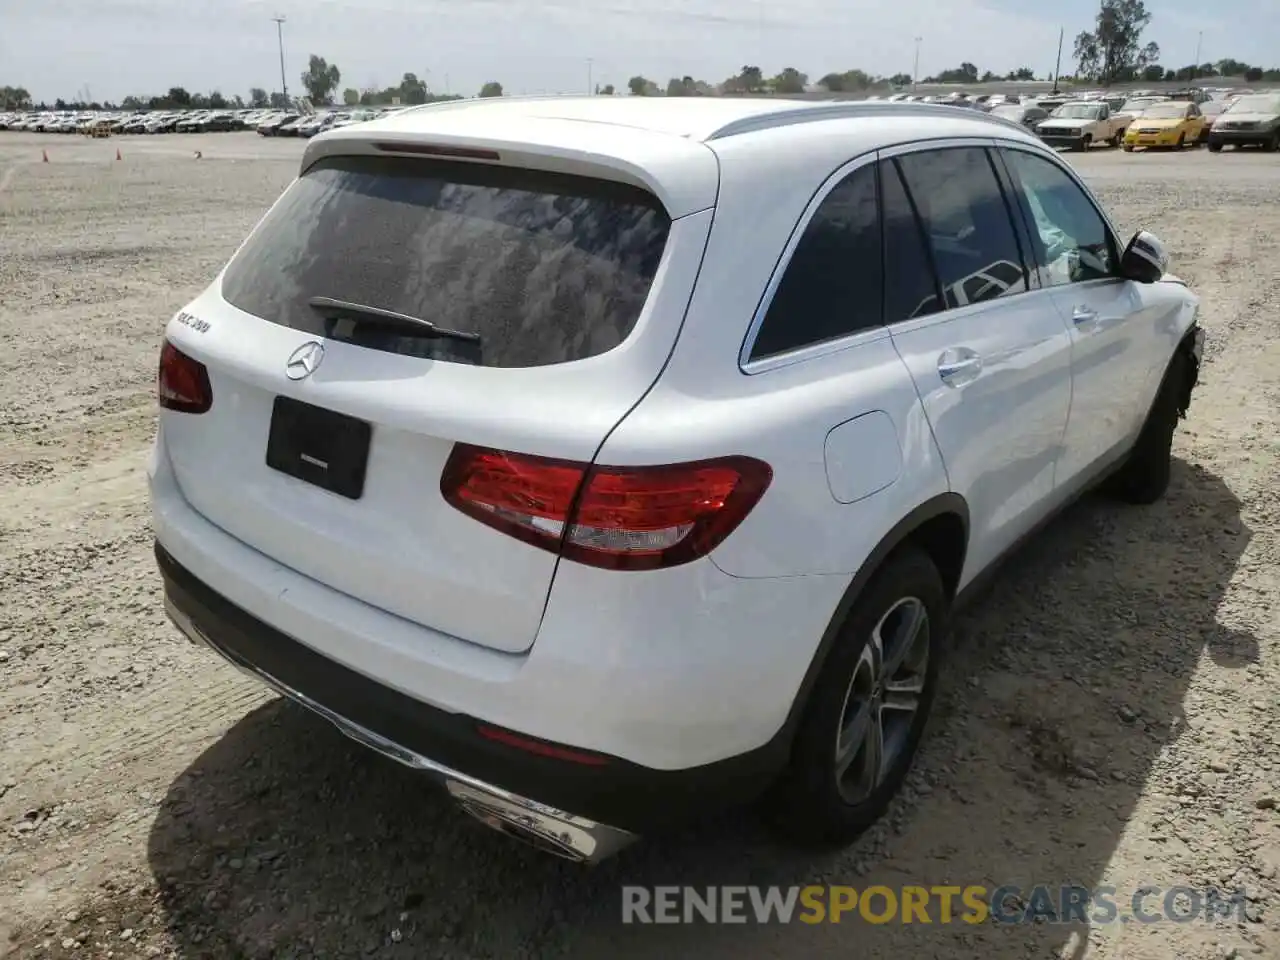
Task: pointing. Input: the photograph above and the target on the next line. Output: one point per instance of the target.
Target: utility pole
(915, 69)
(1057, 67)
(284, 87)
(590, 65)
(1195, 67)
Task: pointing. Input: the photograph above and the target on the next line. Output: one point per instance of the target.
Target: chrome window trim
(912, 324)
(812, 350)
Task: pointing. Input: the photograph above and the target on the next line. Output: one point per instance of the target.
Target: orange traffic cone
(44, 155)
(117, 153)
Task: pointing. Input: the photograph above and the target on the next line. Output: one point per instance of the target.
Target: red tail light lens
(620, 518)
(182, 383)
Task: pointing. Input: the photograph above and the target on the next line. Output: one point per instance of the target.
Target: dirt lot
(1111, 713)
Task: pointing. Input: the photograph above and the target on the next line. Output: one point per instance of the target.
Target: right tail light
(619, 518)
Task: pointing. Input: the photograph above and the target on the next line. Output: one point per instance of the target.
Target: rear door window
(968, 223)
(544, 268)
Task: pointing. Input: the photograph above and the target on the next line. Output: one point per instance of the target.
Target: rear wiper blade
(330, 307)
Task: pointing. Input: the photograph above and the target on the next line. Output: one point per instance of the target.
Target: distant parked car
(219, 122)
(1252, 120)
(1173, 124)
(293, 127)
(1027, 114)
(270, 127)
(1081, 124)
(164, 123)
(191, 123)
(1132, 108)
(359, 116)
(319, 123)
(1212, 110)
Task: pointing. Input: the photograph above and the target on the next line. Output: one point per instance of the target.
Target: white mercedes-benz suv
(612, 459)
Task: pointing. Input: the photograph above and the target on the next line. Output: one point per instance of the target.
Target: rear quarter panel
(705, 405)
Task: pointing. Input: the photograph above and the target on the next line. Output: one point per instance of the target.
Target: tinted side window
(832, 285)
(968, 224)
(1070, 240)
(910, 284)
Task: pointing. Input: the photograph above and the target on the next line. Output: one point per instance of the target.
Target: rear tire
(1144, 478)
(1128, 148)
(1272, 145)
(1182, 142)
(1215, 147)
(868, 710)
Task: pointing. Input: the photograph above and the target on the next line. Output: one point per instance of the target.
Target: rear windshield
(544, 268)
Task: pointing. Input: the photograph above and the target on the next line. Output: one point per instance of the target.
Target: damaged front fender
(1192, 349)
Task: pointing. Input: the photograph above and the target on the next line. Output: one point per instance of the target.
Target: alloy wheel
(882, 700)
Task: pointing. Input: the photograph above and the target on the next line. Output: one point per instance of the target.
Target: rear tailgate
(576, 287)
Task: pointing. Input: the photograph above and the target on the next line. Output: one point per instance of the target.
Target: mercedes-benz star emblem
(303, 362)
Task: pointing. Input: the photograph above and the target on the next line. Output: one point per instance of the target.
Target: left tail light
(183, 382)
(619, 518)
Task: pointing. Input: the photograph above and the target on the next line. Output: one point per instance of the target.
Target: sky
(117, 48)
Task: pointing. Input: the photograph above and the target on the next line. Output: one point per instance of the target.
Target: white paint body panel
(1117, 362)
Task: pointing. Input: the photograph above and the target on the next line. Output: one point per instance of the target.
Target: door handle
(1084, 317)
(959, 366)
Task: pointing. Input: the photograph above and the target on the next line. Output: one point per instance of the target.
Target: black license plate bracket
(322, 447)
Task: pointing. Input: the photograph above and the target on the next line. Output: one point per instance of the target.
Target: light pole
(284, 87)
(1195, 67)
(915, 69)
(1057, 66)
(590, 65)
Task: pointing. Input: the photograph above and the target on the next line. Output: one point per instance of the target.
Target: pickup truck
(1081, 123)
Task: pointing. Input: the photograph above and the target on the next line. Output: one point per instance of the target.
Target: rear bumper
(356, 706)
(507, 787)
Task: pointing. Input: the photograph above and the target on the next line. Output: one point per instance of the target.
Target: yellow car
(1173, 123)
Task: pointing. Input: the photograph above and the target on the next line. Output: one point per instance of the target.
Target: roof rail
(852, 109)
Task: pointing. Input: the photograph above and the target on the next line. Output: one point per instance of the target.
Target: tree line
(1113, 52)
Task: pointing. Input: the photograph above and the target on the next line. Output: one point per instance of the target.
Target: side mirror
(1144, 260)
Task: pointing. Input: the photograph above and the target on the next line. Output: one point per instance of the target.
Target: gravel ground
(1110, 712)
